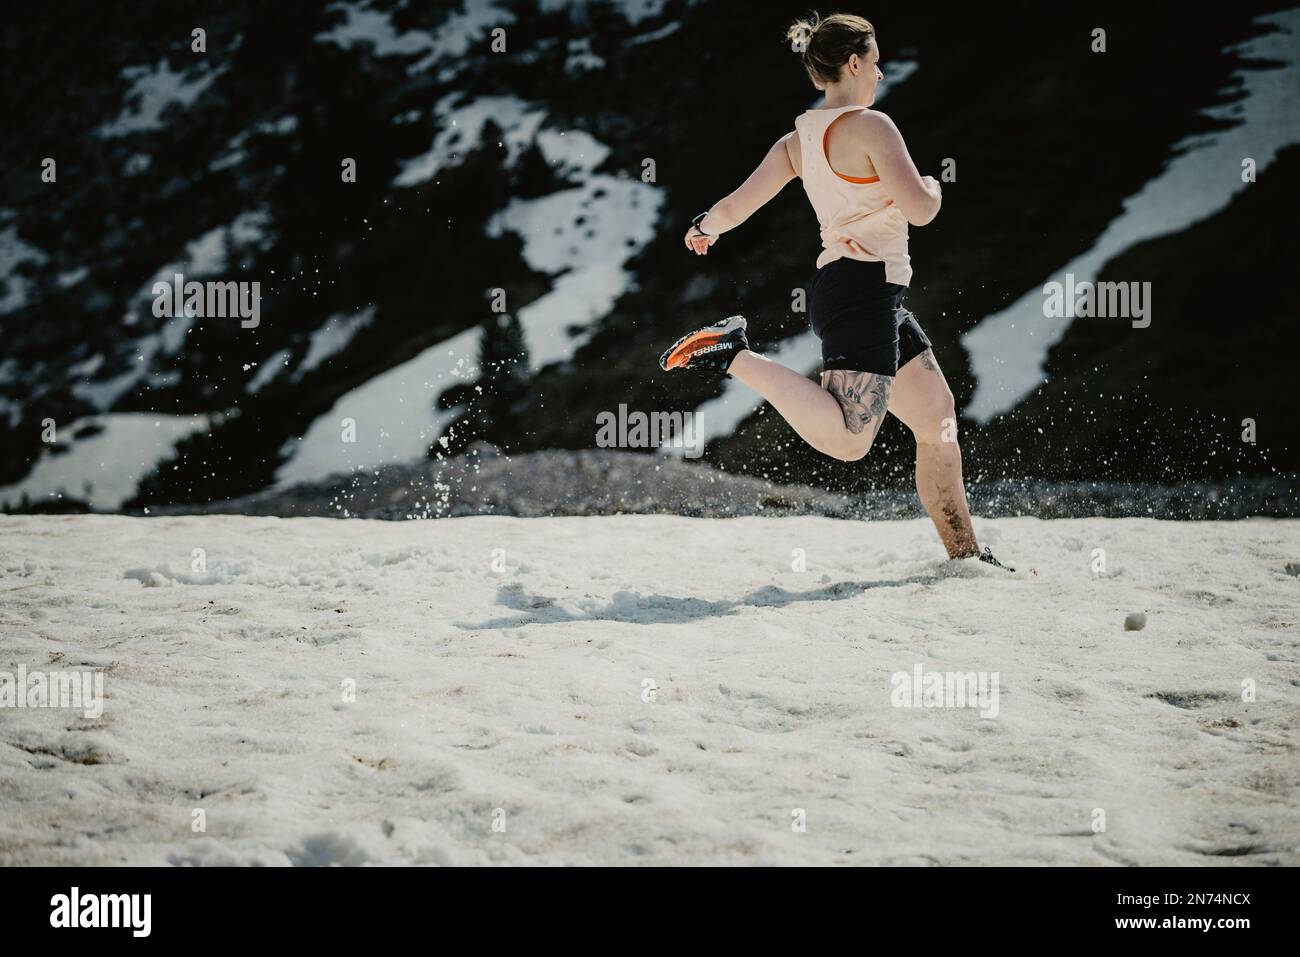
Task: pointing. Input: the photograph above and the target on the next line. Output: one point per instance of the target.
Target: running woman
(865, 190)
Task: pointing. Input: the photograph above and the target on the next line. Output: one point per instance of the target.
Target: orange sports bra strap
(861, 180)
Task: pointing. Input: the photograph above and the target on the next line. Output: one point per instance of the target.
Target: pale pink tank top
(858, 219)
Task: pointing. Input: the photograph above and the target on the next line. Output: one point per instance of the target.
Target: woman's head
(838, 50)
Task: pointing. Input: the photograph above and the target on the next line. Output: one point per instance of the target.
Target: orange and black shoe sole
(681, 351)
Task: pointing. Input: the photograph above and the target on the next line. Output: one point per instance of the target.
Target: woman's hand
(698, 242)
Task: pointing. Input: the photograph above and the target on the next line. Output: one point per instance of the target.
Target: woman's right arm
(762, 185)
(917, 197)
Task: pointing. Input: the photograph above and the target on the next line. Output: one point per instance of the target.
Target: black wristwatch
(696, 224)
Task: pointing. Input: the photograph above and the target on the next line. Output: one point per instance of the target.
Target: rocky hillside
(507, 263)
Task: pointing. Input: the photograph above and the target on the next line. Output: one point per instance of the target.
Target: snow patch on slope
(15, 288)
(204, 257)
(462, 127)
(332, 338)
(584, 236)
(395, 414)
(153, 91)
(104, 469)
(453, 38)
(1009, 349)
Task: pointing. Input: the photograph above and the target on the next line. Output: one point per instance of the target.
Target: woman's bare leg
(922, 400)
(839, 418)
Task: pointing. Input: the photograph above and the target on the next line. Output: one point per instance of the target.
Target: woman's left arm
(764, 183)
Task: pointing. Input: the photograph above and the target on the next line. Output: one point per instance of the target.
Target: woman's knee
(851, 447)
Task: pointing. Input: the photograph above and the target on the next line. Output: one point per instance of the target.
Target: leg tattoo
(864, 397)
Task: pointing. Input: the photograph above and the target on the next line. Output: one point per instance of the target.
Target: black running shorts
(860, 319)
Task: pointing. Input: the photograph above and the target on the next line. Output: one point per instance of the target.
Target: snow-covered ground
(649, 689)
